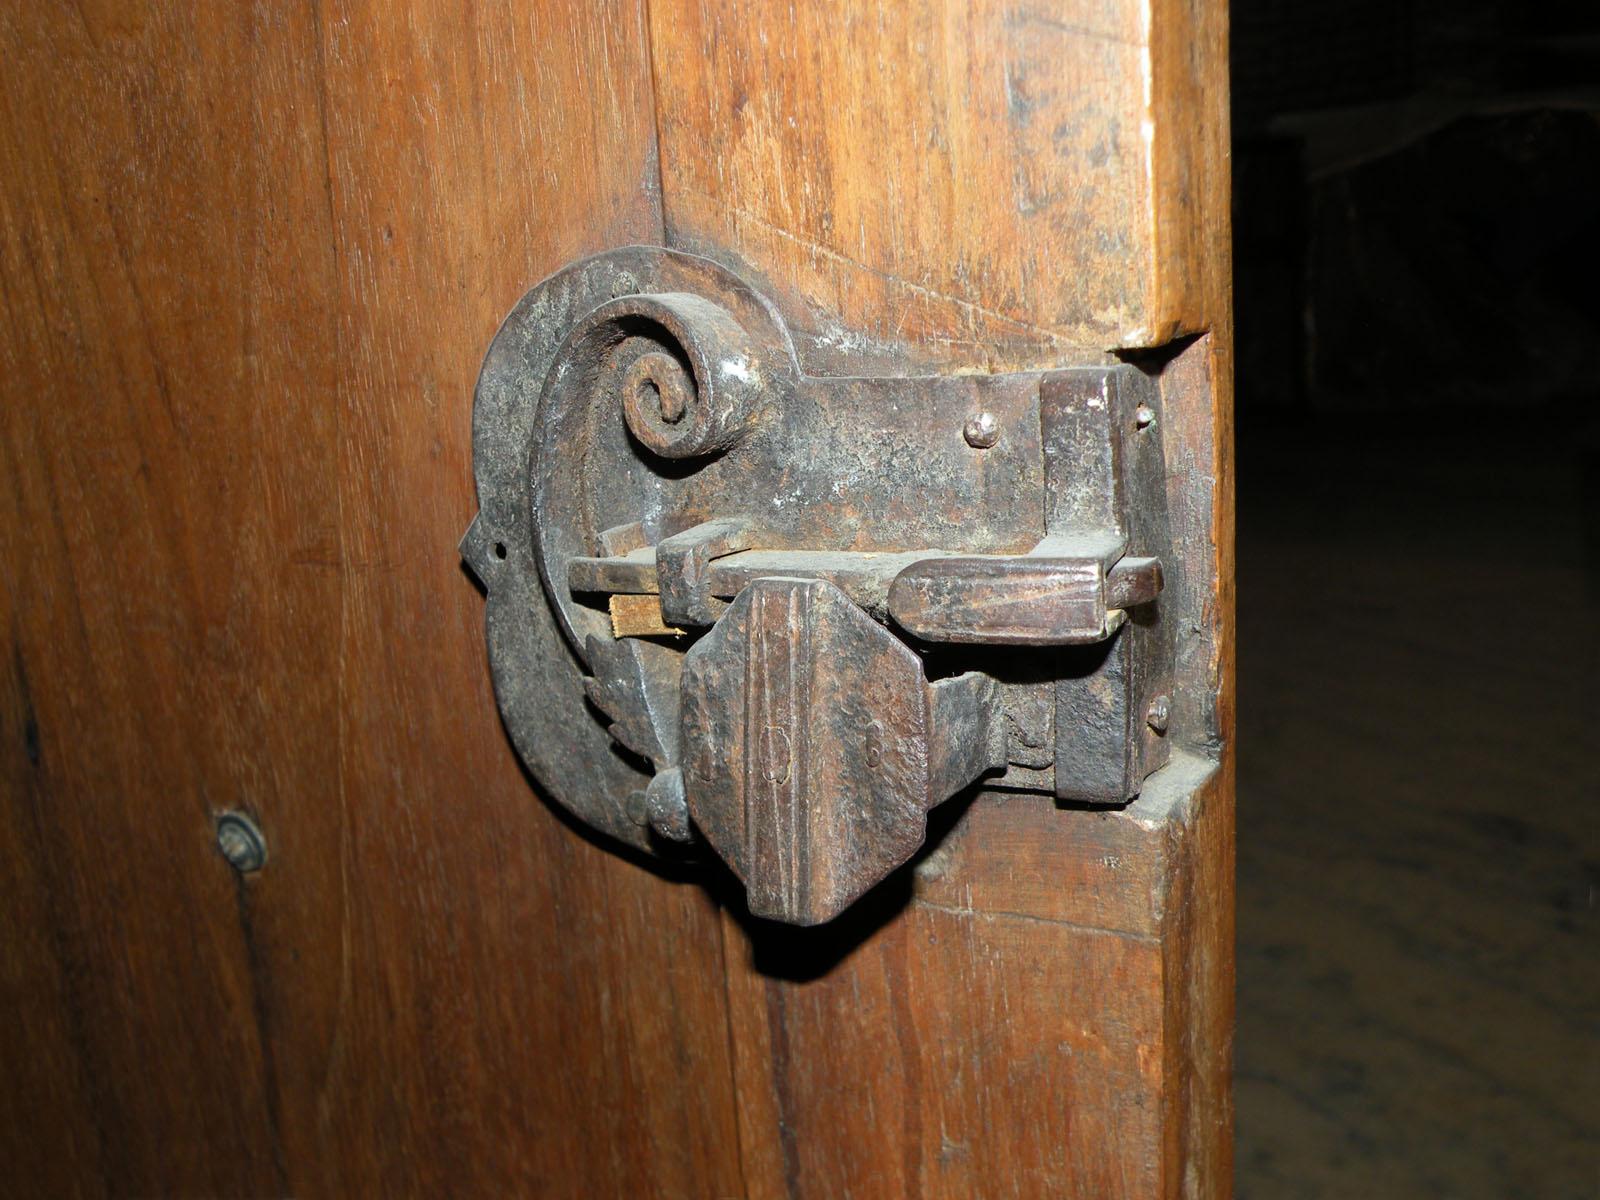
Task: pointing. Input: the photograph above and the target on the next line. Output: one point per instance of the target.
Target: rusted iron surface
(682, 561)
(704, 564)
(814, 746)
(1105, 471)
(1022, 600)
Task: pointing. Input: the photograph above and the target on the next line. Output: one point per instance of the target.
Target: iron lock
(786, 615)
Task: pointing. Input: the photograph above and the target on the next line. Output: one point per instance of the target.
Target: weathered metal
(1105, 483)
(682, 562)
(241, 842)
(733, 602)
(814, 745)
(1048, 598)
(982, 430)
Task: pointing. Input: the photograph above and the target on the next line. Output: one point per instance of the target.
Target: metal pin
(1160, 713)
(982, 430)
(241, 842)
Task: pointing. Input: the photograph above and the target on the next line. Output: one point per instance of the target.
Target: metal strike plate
(734, 604)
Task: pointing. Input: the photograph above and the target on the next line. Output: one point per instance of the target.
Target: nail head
(241, 842)
(982, 430)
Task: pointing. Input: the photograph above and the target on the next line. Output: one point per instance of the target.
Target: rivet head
(1160, 713)
(982, 430)
(241, 842)
(668, 805)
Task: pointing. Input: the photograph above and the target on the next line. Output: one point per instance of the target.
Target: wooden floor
(1419, 812)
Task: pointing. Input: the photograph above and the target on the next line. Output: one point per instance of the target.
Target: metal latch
(786, 615)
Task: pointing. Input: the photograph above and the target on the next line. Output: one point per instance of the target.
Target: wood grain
(989, 183)
(1044, 1007)
(250, 261)
(1042, 1019)
(251, 256)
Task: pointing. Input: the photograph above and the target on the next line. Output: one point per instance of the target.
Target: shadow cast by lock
(773, 948)
(803, 953)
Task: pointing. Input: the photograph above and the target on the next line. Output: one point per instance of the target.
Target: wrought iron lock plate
(785, 615)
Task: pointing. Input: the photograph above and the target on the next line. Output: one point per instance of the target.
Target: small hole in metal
(499, 549)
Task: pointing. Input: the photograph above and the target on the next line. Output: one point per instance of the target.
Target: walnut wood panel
(1044, 1007)
(977, 184)
(963, 1045)
(250, 259)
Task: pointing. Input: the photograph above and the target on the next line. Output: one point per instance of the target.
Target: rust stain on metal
(787, 597)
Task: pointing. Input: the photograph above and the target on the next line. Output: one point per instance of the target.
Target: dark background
(1417, 240)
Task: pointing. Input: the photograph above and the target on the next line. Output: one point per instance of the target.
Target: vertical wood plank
(250, 259)
(165, 246)
(1044, 1007)
(984, 184)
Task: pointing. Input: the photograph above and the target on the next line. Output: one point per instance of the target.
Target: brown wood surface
(974, 184)
(250, 263)
(1044, 1007)
(250, 258)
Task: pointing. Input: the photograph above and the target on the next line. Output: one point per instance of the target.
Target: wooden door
(251, 256)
